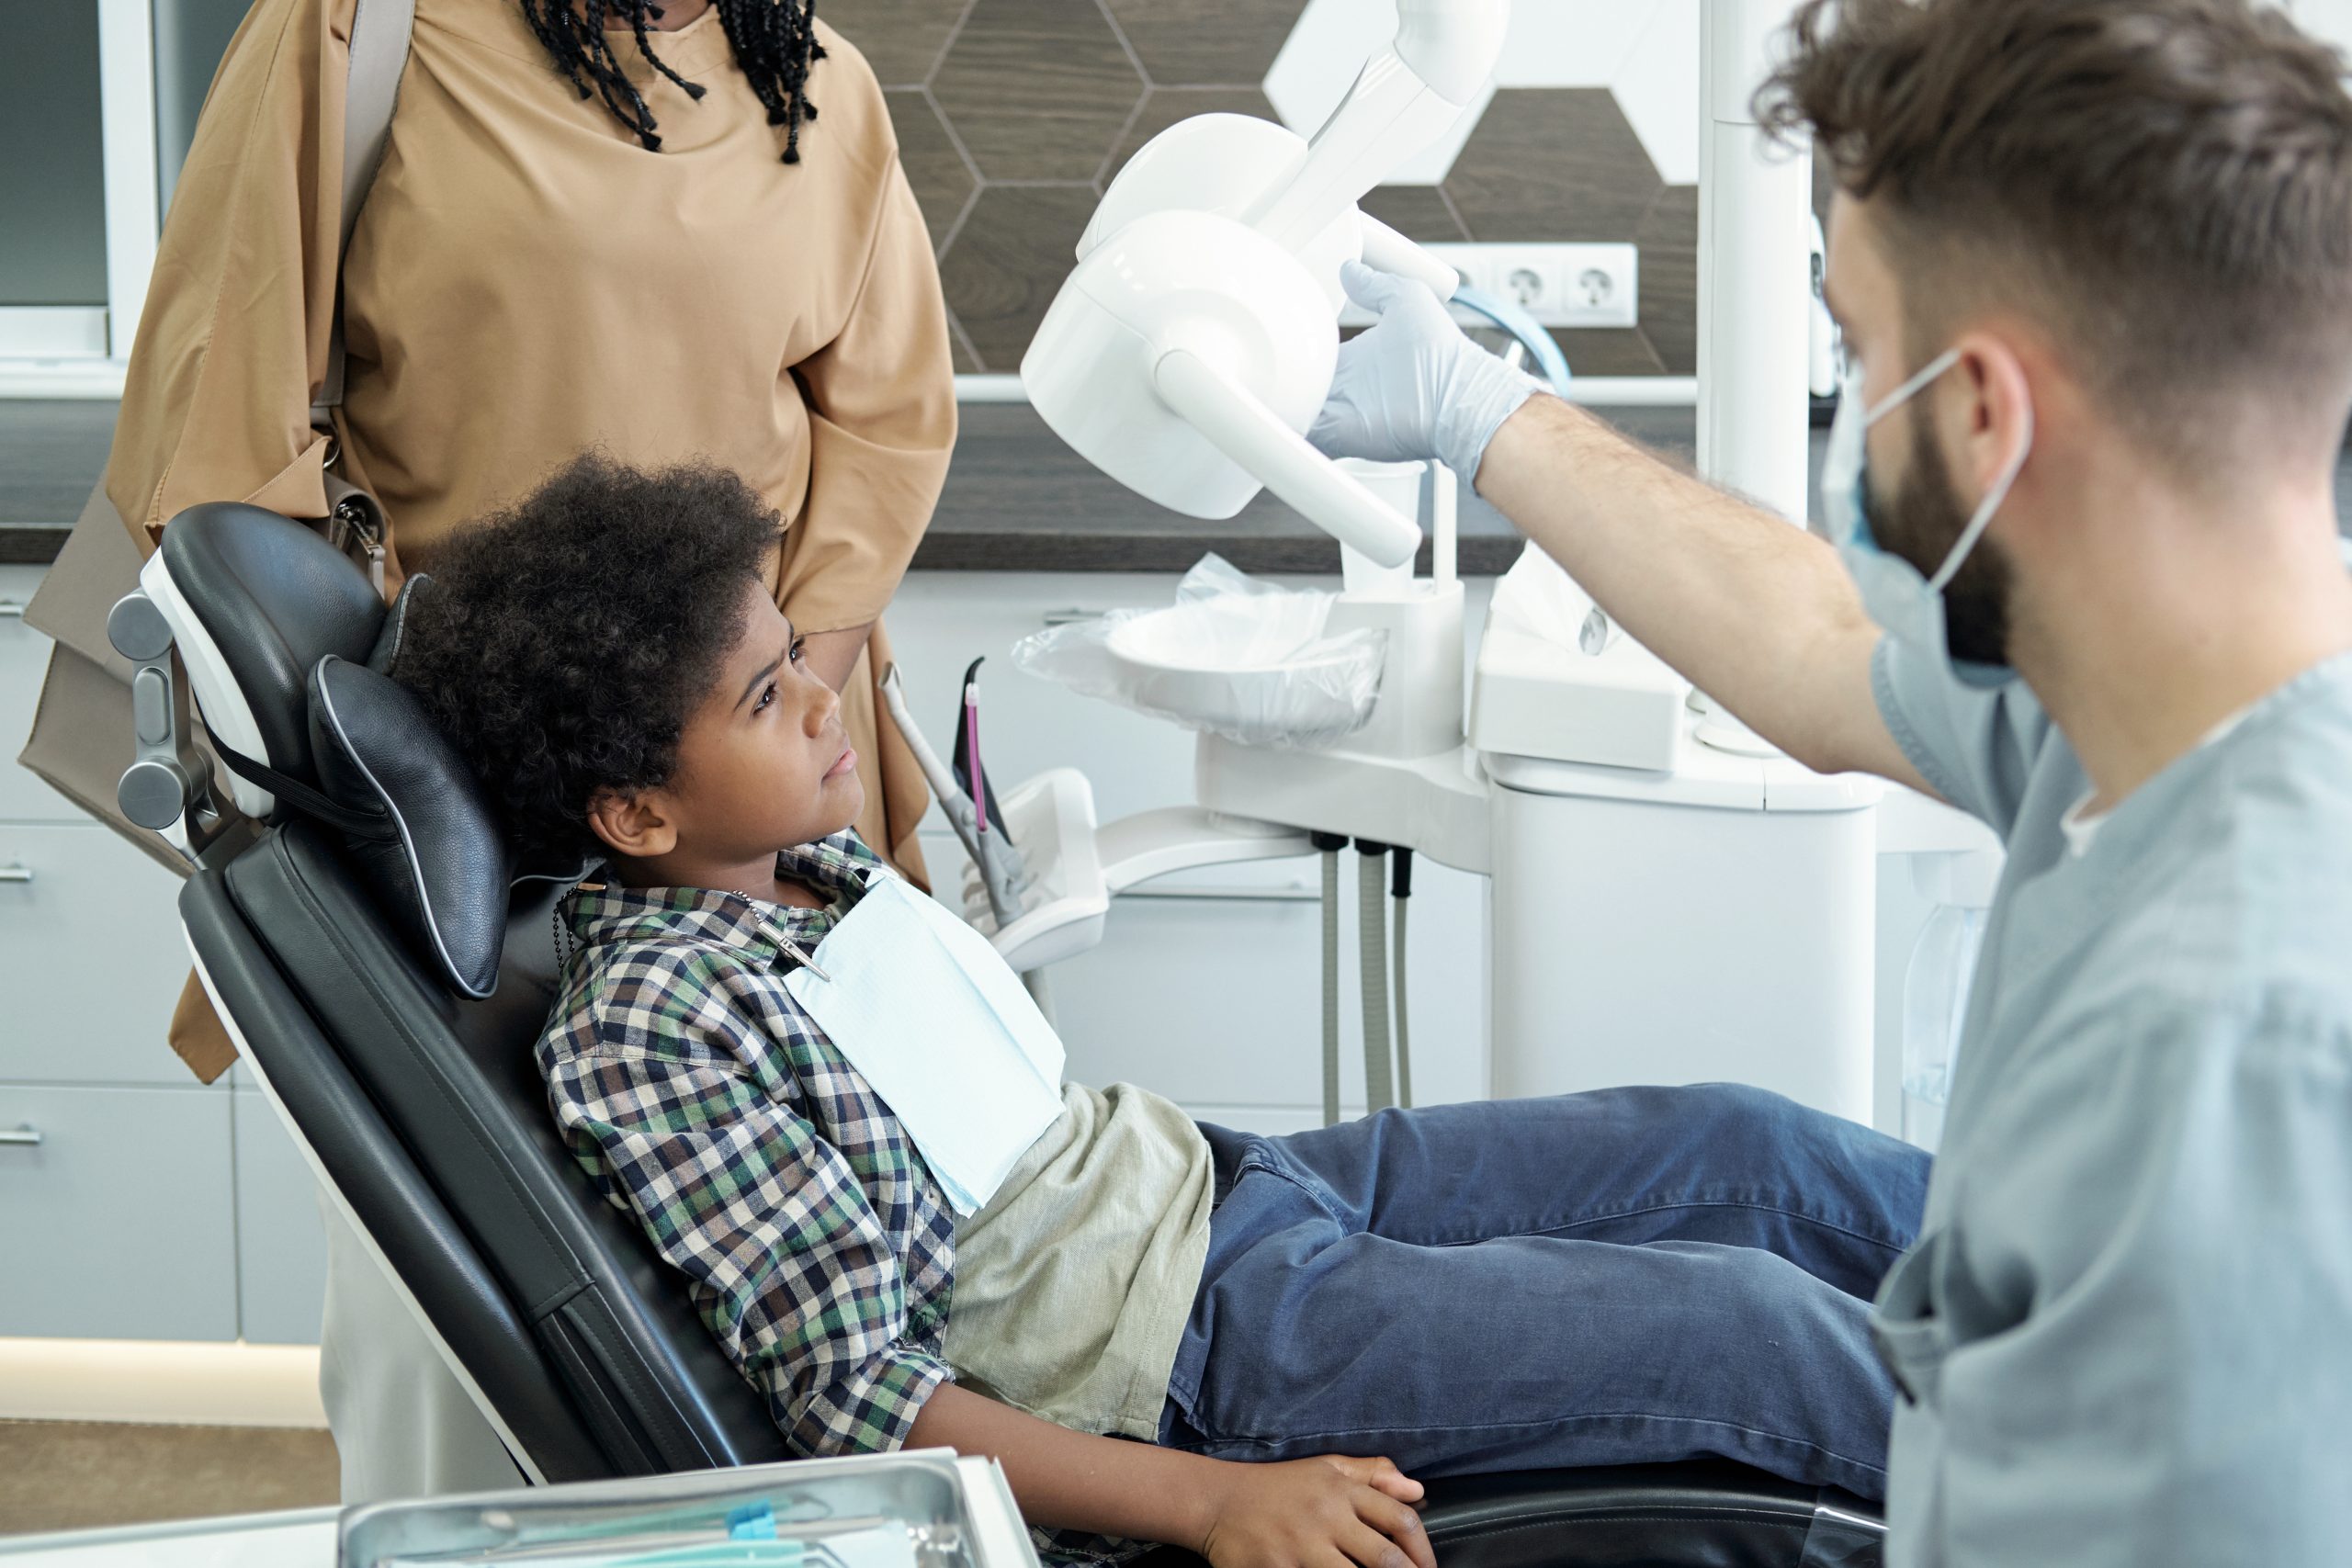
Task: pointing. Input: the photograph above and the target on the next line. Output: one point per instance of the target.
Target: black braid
(774, 42)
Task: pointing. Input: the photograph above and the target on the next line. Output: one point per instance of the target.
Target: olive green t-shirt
(1073, 1284)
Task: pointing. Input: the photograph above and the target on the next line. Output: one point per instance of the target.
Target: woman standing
(597, 222)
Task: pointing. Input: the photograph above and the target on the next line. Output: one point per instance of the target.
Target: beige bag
(82, 738)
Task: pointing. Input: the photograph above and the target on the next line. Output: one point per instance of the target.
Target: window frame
(70, 351)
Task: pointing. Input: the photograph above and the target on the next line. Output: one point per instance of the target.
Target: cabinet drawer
(24, 660)
(91, 958)
(118, 1224)
(281, 1244)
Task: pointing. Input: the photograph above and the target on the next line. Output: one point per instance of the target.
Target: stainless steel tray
(956, 1513)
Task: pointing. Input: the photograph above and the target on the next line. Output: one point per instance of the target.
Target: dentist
(2093, 261)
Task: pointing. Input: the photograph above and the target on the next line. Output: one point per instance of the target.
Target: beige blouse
(526, 280)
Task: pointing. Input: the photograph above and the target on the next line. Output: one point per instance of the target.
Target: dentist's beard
(1920, 523)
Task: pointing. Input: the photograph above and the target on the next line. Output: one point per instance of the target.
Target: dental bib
(943, 1030)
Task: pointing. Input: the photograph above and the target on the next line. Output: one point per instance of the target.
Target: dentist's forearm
(1757, 614)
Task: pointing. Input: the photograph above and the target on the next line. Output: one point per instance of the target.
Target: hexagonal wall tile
(1206, 42)
(1612, 351)
(1552, 163)
(1570, 43)
(1007, 262)
(1668, 237)
(1037, 89)
(1163, 106)
(1319, 62)
(901, 39)
(1418, 212)
(942, 182)
(1657, 86)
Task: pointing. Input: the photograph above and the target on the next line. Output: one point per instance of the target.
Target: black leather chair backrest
(226, 558)
(341, 968)
(581, 1323)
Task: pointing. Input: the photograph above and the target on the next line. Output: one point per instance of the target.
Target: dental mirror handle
(1246, 431)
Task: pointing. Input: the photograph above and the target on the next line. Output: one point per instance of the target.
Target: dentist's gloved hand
(1411, 386)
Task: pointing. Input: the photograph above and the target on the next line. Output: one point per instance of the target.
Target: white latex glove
(1410, 386)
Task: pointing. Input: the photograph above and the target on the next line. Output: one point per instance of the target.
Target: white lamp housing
(1189, 351)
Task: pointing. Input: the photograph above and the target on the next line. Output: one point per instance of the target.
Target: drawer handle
(25, 1137)
(15, 873)
(11, 611)
(1071, 617)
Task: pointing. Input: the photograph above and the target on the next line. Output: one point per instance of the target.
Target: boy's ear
(637, 826)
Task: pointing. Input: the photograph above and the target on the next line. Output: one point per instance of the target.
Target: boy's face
(764, 762)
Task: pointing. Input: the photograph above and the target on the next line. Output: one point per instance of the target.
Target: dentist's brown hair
(2165, 186)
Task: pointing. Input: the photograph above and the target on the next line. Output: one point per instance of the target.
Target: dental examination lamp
(1193, 345)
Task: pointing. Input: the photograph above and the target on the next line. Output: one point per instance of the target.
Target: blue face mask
(1908, 606)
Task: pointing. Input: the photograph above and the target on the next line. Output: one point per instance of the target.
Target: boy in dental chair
(1286, 1331)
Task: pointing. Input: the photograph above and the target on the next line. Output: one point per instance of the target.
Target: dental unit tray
(927, 1509)
(1077, 868)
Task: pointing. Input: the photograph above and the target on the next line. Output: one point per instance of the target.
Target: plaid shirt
(818, 1247)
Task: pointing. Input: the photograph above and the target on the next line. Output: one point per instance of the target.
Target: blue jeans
(1624, 1276)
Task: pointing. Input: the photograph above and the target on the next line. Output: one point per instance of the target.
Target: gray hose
(1330, 987)
(1400, 888)
(1041, 994)
(1371, 929)
(1404, 1044)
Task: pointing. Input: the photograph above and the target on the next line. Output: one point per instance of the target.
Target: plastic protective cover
(1234, 657)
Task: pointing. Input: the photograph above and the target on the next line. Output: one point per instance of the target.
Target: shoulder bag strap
(380, 32)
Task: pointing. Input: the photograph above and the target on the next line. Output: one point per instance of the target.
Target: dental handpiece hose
(1400, 890)
(1371, 929)
(1330, 844)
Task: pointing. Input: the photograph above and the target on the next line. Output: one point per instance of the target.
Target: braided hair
(774, 42)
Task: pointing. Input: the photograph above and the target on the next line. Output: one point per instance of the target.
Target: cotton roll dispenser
(1189, 351)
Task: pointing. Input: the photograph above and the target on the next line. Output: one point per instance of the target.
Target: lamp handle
(1388, 251)
(1242, 427)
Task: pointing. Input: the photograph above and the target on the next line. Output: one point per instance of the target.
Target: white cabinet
(281, 1242)
(116, 1215)
(24, 659)
(1207, 986)
(134, 1202)
(92, 955)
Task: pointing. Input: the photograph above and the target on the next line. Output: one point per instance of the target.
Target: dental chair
(386, 972)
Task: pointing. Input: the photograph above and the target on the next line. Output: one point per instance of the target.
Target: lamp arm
(1408, 96)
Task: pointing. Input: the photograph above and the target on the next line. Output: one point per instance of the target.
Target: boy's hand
(1316, 1513)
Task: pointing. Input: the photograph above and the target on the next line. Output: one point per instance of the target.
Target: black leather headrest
(441, 873)
(276, 598)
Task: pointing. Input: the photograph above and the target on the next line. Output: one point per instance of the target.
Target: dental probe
(999, 862)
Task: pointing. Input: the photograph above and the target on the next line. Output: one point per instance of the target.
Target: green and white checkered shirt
(818, 1247)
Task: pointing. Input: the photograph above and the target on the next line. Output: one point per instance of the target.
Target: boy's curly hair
(563, 642)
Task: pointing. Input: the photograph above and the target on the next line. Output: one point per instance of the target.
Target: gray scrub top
(2126, 1330)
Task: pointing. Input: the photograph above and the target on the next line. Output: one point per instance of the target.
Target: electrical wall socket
(1559, 285)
